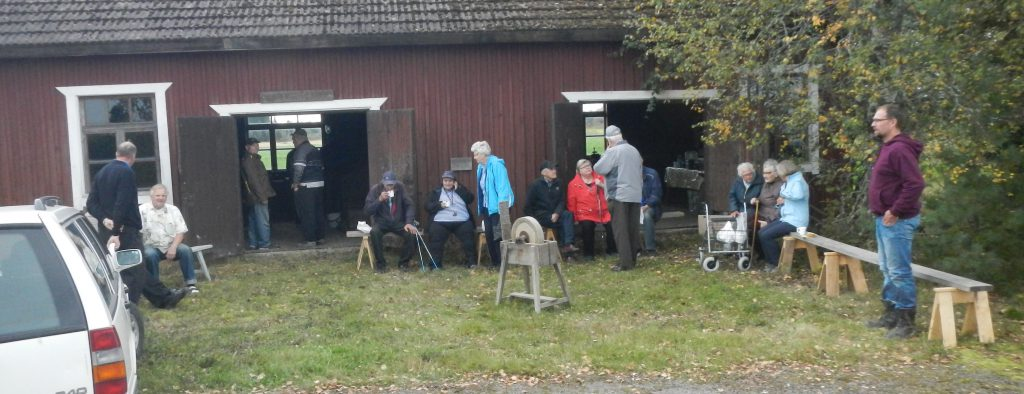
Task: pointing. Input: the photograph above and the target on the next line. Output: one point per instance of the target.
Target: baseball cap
(448, 174)
(548, 164)
(389, 178)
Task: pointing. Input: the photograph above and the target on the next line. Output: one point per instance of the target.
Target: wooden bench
(364, 246)
(198, 252)
(956, 289)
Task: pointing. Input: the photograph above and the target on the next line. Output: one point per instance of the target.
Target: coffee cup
(391, 193)
(802, 231)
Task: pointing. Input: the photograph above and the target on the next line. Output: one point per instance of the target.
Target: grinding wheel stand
(525, 245)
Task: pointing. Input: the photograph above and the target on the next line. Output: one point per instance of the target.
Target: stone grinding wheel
(528, 230)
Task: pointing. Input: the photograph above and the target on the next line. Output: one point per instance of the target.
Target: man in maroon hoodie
(894, 197)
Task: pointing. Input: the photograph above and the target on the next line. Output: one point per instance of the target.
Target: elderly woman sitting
(794, 212)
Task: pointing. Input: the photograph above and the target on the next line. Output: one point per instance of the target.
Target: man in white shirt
(163, 230)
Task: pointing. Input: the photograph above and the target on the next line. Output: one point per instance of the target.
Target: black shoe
(904, 325)
(174, 298)
(888, 319)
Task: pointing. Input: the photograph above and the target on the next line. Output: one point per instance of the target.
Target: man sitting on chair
(392, 212)
(163, 230)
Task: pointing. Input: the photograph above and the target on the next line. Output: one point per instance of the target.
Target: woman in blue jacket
(492, 188)
(794, 211)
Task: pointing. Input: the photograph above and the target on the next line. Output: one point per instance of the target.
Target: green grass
(295, 321)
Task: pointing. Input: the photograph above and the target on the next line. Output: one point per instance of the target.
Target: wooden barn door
(568, 138)
(210, 186)
(391, 146)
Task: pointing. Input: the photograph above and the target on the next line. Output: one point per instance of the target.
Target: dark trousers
(626, 225)
(139, 281)
(492, 233)
(382, 227)
(309, 203)
(463, 231)
(769, 239)
(588, 234)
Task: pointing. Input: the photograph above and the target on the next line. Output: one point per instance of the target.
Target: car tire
(138, 328)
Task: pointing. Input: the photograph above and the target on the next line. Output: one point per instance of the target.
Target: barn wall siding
(460, 94)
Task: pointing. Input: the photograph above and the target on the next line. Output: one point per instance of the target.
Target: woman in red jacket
(589, 207)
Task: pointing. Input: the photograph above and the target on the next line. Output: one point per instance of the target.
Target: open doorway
(342, 138)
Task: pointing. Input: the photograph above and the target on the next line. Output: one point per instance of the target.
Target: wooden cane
(753, 238)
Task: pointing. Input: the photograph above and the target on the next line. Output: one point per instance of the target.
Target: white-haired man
(163, 230)
(622, 167)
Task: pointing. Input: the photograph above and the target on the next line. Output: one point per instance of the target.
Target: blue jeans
(184, 256)
(769, 236)
(258, 233)
(564, 230)
(649, 223)
(894, 249)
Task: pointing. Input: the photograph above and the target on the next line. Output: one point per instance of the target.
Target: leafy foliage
(953, 65)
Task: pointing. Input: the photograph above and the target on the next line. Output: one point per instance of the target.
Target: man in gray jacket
(622, 168)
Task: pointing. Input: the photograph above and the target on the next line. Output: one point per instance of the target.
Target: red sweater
(587, 203)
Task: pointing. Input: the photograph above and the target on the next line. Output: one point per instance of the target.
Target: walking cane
(753, 238)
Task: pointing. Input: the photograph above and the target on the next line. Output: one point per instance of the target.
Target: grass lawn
(315, 322)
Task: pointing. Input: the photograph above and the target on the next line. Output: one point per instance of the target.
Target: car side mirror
(128, 258)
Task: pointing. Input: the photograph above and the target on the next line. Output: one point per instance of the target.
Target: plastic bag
(725, 234)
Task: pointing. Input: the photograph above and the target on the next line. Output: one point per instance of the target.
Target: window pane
(595, 145)
(142, 109)
(101, 146)
(259, 120)
(144, 142)
(145, 174)
(262, 135)
(279, 119)
(118, 110)
(284, 138)
(316, 137)
(282, 159)
(95, 111)
(594, 107)
(595, 126)
(309, 118)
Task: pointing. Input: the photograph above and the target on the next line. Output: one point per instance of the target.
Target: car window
(37, 295)
(94, 258)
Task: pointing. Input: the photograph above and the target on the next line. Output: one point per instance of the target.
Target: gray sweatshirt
(622, 168)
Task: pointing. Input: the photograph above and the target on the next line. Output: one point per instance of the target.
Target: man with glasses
(894, 197)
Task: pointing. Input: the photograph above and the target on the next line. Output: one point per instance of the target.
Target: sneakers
(192, 289)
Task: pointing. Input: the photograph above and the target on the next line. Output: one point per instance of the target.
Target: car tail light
(109, 374)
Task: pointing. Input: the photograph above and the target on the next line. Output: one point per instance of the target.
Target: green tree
(954, 65)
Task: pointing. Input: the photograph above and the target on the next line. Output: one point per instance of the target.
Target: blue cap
(389, 178)
(448, 174)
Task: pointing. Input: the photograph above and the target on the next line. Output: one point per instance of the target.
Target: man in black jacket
(546, 202)
(114, 202)
(448, 207)
(392, 211)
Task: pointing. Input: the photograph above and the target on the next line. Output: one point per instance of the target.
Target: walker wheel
(710, 264)
(743, 264)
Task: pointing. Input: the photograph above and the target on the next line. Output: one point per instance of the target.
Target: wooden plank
(983, 316)
(831, 274)
(568, 137)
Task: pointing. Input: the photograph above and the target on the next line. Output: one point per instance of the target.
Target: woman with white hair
(492, 189)
(794, 211)
(747, 185)
(587, 202)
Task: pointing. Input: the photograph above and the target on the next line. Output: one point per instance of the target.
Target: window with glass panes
(275, 135)
(109, 121)
(595, 121)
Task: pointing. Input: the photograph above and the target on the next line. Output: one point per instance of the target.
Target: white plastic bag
(740, 233)
(362, 226)
(725, 234)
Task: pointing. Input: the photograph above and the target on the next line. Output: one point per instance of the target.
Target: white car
(66, 325)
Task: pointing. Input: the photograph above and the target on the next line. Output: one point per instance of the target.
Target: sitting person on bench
(764, 204)
(589, 206)
(448, 207)
(794, 211)
(545, 201)
(392, 212)
(163, 230)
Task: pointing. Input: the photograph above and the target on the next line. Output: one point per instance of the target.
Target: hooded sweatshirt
(896, 182)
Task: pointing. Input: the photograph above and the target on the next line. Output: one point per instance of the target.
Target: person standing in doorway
(622, 167)
(257, 196)
(894, 197)
(493, 188)
(308, 185)
(114, 202)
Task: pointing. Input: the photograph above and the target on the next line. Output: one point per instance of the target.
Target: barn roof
(32, 28)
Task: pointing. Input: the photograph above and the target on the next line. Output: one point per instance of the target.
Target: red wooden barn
(405, 85)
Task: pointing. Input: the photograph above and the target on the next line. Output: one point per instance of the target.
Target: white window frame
(72, 100)
(369, 104)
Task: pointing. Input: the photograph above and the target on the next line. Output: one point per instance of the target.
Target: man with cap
(308, 185)
(258, 192)
(622, 168)
(448, 207)
(546, 202)
(391, 211)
